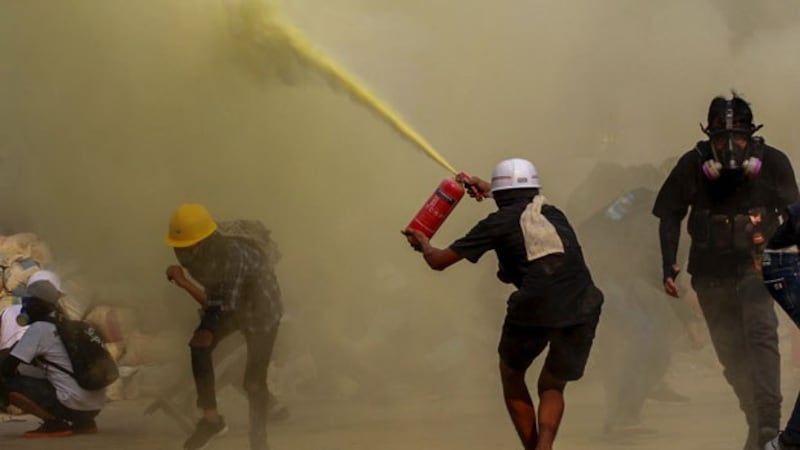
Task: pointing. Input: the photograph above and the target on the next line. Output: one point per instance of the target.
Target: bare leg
(29, 406)
(520, 405)
(551, 408)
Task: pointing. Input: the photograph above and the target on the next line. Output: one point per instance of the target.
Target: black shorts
(568, 353)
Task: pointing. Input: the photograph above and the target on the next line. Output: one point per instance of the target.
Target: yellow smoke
(264, 24)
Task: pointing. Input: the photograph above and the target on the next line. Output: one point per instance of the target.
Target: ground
(465, 422)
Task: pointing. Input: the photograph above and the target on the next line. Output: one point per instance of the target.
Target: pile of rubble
(138, 355)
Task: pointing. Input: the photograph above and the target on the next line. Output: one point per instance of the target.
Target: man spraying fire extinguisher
(556, 301)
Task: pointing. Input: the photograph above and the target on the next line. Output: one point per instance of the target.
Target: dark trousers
(41, 392)
(782, 278)
(4, 355)
(3, 391)
(743, 326)
(259, 352)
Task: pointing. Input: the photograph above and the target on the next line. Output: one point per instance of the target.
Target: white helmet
(46, 275)
(515, 173)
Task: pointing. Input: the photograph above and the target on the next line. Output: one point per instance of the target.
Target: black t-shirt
(686, 186)
(553, 291)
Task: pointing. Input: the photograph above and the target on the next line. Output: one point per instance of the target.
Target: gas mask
(35, 309)
(24, 318)
(730, 156)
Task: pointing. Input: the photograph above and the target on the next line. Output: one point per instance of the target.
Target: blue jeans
(781, 273)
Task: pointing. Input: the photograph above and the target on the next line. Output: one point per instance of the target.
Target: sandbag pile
(136, 353)
(21, 255)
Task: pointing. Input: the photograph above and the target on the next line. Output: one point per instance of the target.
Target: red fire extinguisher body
(436, 209)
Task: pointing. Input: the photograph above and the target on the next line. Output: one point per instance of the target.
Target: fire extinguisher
(438, 206)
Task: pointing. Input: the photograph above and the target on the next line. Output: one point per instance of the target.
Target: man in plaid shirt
(237, 289)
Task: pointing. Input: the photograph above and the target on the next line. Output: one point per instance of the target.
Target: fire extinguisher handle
(472, 188)
(475, 193)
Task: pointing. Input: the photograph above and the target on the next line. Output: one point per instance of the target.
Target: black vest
(730, 211)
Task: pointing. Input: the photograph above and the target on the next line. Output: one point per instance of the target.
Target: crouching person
(65, 407)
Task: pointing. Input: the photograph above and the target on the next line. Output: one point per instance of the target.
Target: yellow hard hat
(190, 224)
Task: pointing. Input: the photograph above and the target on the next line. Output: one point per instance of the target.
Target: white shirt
(10, 332)
(42, 340)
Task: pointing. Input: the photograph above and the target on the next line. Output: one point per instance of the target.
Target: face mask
(729, 156)
(24, 319)
(34, 309)
(185, 256)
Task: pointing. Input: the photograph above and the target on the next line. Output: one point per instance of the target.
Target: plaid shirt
(237, 278)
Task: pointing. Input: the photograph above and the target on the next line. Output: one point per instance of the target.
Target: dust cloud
(115, 112)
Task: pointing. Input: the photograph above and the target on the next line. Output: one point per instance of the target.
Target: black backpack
(92, 364)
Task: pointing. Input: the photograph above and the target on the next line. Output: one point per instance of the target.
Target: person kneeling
(57, 399)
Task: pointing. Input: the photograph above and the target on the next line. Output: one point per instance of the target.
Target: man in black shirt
(737, 187)
(555, 303)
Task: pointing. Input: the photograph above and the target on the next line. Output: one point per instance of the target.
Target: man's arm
(785, 183)
(476, 187)
(669, 233)
(437, 258)
(671, 206)
(26, 349)
(175, 274)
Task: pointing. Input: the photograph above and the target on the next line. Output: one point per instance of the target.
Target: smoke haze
(113, 113)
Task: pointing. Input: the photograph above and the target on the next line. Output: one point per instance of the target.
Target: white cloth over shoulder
(541, 237)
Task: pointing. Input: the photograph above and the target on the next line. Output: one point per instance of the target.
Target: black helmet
(730, 121)
(730, 116)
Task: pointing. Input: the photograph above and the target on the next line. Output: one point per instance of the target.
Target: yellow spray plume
(264, 23)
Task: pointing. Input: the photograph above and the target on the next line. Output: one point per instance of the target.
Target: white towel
(541, 237)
